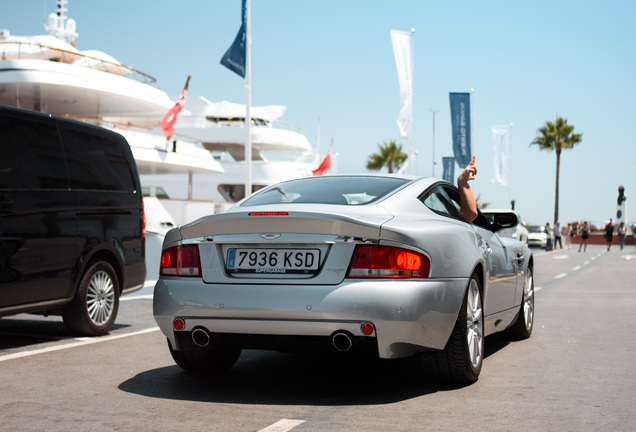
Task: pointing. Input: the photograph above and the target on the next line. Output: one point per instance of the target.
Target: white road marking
(139, 297)
(576, 268)
(559, 276)
(283, 425)
(629, 257)
(560, 256)
(537, 289)
(78, 342)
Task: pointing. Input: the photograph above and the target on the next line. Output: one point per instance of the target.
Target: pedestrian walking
(609, 234)
(548, 242)
(568, 233)
(622, 232)
(557, 235)
(585, 235)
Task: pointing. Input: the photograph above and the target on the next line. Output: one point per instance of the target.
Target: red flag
(324, 165)
(170, 119)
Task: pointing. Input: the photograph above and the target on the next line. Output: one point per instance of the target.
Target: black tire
(522, 328)
(462, 359)
(206, 360)
(94, 309)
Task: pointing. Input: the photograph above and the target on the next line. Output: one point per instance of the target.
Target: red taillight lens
(388, 262)
(180, 261)
(143, 222)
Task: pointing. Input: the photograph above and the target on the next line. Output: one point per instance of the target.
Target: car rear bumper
(408, 316)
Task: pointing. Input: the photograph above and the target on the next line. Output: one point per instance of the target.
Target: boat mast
(58, 26)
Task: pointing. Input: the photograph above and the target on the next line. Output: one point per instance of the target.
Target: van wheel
(93, 310)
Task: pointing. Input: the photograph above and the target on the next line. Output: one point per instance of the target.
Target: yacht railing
(258, 123)
(12, 50)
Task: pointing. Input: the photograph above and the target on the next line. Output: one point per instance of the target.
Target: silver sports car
(358, 263)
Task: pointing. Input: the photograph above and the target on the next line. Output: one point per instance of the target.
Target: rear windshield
(343, 190)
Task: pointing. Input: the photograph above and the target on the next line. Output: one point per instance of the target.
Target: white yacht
(47, 73)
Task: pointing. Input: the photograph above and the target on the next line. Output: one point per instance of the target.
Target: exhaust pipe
(200, 337)
(342, 341)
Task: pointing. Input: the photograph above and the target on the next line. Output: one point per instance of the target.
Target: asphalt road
(576, 372)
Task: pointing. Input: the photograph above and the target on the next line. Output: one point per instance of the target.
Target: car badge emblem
(270, 236)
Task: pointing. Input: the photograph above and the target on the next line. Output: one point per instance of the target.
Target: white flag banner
(501, 150)
(402, 52)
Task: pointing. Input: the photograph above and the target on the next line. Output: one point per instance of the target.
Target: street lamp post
(434, 112)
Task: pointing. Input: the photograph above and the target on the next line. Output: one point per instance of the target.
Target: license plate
(273, 261)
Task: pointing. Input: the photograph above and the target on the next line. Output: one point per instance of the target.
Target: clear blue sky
(333, 60)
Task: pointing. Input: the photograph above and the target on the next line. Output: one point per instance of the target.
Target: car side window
(31, 155)
(438, 200)
(96, 162)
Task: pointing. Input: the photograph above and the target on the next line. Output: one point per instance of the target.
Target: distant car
(378, 264)
(72, 236)
(518, 232)
(537, 236)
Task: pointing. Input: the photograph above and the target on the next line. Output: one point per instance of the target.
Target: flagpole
(248, 102)
(510, 169)
(412, 98)
(434, 112)
(472, 140)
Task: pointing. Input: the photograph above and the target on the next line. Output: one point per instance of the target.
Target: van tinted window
(96, 162)
(31, 156)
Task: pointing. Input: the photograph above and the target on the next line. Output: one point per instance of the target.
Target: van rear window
(96, 162)
(31, 156)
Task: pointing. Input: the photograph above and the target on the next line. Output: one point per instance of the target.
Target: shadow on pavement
(272, 378)
(23, 331)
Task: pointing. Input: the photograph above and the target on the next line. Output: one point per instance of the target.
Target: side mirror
(505, 220)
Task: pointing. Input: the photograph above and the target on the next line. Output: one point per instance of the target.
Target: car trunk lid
(306, 246)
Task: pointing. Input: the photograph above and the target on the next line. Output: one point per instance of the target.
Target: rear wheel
(93, 310)
(461, 360)
(209, 359)
(522, 328)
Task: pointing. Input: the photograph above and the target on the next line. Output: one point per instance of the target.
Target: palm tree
(481, 205)
(557, 136)
(390, 155)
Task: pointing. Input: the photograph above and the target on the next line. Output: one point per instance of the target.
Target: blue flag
(460, 125)
(234, 57)
(449, 169)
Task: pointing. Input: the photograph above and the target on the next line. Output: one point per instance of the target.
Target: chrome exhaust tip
(342, 341)
(200, 337)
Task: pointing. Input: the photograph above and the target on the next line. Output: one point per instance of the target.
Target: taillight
(180, 261)
(143, 215)
(388, 262)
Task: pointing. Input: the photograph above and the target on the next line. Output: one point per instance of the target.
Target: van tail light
(143, 219)
(180, 261)
(388, 262)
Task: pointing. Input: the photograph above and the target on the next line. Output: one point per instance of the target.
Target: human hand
(468, 173)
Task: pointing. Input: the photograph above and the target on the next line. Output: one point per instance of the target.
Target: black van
(72, 234)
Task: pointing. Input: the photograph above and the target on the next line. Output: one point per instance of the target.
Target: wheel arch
(480, 271)
(102, 254)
